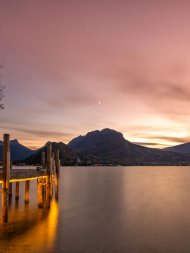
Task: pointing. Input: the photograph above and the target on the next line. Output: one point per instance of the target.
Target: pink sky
(62, 57)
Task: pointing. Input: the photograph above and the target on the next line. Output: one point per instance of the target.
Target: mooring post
(39, 189)
(44, 192)
(43, 159)
(53, 161)
(6, 177)
(48, 180)
(10, 190)
(51, 187)
(57, 167)
(57, 163)
(17, 191)
(27, 192)
(51, 175)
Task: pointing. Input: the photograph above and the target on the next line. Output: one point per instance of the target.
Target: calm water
(106, 209)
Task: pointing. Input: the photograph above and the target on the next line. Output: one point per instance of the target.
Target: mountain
(67, 156)
(106, 141)
(181, 149)
(105, 147)
(110, 147)
(18, 151)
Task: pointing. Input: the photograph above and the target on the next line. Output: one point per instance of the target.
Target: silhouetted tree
(2, 88)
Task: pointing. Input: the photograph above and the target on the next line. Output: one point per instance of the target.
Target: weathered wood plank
(27, 174)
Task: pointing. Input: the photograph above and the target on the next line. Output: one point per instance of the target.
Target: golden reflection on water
(34, 231)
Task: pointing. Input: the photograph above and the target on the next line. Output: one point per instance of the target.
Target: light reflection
(30, 230)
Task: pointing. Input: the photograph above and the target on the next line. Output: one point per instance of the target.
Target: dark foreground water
(106, 209)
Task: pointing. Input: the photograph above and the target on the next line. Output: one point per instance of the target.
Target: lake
(105, 209)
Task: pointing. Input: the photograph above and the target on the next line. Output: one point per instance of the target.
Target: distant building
(78, 161)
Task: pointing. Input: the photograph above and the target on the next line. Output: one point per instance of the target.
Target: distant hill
(105, 147)
(67, 156)
(18, 151)
(106, 141)
(182, 148)
(110, 147)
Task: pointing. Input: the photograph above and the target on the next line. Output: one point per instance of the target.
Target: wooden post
(57, 167)
(56, 187)
(43, 159)
(17, 191)
(39, 189)
(57, 163)
(4, 206)
(53, 161)
(51, 174)
(54, 164)
(27, 191)
(6, 177)
(49, 168)
(10, 190)
(44, 191)
(10, 193)
(51, 186)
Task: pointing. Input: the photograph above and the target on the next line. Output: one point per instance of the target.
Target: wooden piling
(27, 192)
(17, 191)
(6, 176)
(10, 193)
(51, 173)
(49, 169)
(51, 187)
(5, 204)
(57, 168)
(40, 194)
(56, 187)
(43, 159)
(10, 190)
(53, 160)
(57, 163)
(44, 194)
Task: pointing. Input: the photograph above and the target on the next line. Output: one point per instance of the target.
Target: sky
(74, 66)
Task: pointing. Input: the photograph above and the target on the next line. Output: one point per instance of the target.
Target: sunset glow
(78, 66)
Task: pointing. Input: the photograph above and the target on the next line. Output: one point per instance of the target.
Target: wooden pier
(46, 175)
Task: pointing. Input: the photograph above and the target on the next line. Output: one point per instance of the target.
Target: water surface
(105, 209)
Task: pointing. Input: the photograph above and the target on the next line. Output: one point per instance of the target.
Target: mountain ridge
(181, 148)
(67, 156)
(106, 147)
(110, 147)
(17, 150)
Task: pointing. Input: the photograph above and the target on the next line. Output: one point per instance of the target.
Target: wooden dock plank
(24, 174)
